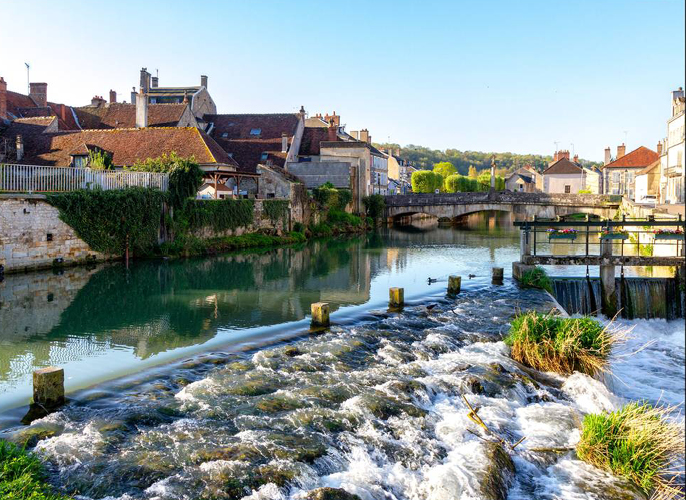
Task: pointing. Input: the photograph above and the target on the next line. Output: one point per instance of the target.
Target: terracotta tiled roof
(312, 136)
(22, 106)
(640, 157)
(43, 121)
(249, 153)
(270, 126)
(649, 168)
(121, 115)
(16, 101)
(125, 145)
(563, 166)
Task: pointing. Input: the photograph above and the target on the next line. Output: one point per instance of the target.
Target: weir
(605, 243)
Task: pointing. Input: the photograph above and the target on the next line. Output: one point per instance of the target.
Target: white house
(672, 183)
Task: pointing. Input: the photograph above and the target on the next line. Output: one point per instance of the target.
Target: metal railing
(42, 179)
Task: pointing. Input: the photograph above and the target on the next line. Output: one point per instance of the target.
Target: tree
(425, 181)
(473, 174)
(444, 169)
(185, 175)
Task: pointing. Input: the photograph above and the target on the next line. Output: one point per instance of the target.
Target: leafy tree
(185, 175)
(444, 169)
(473, 174)
(425, 181)
(374, 205)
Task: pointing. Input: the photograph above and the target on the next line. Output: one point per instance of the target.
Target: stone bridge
(523, 206)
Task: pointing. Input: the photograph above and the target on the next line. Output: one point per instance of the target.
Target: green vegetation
(444, 169)
(185, 175)
(426, 181)
(22, 476)
(186, 245)
(220, 215)
(107, 220)
(584, 191)
(327, 196)
(563, 345)
(536, 278)
(637, 442)
(100, 160)
(374, 205)
(426, 158)
(337, 217)
(276, 210)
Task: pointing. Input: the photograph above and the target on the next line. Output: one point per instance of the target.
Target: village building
(672, 178)
(648, 183)
(525, 179)
(619, 175)
(570, 177)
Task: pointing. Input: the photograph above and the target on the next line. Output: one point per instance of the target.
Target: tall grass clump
(536, 278)
(637, 442)
(563, 345)
(22, 476)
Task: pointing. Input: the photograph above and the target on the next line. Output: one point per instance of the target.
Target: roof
(312, 137)
(649, 168)
(122, 115)
(316, 121)
(283, 172)
(270, 126)
(249, 153)
(43, 121)
(563, 166)
(172, 91)
(219, 187)
(22, 106)
(638, 158)
(125, 145)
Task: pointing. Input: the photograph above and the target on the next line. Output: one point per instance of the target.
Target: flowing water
(270, 410)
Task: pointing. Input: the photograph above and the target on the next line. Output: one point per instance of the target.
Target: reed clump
(536, 278)
(563, 345)
(640, 443)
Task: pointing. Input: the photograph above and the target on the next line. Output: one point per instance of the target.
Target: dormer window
(79, 161)
(264, 156)
(225, 135)
(255, 131)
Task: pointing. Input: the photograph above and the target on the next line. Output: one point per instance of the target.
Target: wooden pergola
(215, 174)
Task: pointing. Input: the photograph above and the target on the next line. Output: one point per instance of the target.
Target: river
(199, 378)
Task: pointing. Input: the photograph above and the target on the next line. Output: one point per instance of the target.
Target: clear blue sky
(471, 75)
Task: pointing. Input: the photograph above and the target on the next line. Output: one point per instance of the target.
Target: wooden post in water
(48, 387)
(320, 314)
(396, 297)
(607, 280)
(497, 276)
(454, 284)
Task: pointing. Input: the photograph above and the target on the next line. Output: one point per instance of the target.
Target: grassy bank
(188, 246)
(638, 443)
(562, 345)
(22, 476)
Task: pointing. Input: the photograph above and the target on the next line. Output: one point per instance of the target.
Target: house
(14, 105)
(672, 180)
(210, 191)
(619, 175)
(648, 183)
(399, 169)
(568, 176)
(524, 180)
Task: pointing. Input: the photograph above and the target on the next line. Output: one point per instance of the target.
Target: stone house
(619, 175)
(568, 176)
(673, 175)
(524, 180)
(648, 183)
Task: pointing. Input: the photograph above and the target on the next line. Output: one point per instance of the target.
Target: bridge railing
(47, 179)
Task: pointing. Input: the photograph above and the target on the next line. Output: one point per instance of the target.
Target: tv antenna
(625, 133)
(28, 80)
(556, 143)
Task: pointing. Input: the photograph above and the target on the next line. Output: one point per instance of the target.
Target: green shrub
(22, 476)
(100, 160)
(374, 205)
(275, 210)
(298, 227)
(105, 219)
(327, 196)
(563, 345)
(426, 181)
(220, 215)
(185, 175)
(536, 278)
(321, 229)
(337, 217)
(637, 442)
(460, 184)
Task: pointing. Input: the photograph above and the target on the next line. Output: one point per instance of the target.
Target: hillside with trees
(426, 158)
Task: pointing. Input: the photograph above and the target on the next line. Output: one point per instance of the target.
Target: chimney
(20, 147)
(97, 101)
(302, 112)
(659, 148)
(621, 151)
(113, 96)
(608, 155)
(203, 81)
(154, 82)
(133, 95)
(145, 80)
(332, 132)
(284, 143)
(3, 98)
(364, 135)
(336, 118)
(141, 110)
(676, 94)
(576, 158)
(63, 112)
(39, 93)
(185, 97)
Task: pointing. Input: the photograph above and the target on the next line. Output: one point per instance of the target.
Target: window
(230, 155)
(153, 100)
(616, 176)
(255, 131)
(225, 134)
(568, 188)
(264, 156)
(80, 161)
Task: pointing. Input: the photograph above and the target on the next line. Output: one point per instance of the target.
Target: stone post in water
(607, 280)
(497, 276)
(320, 314)
(454, 285)
(396, 297)
(48, 387)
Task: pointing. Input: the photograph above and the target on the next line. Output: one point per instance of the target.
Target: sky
(495, 76)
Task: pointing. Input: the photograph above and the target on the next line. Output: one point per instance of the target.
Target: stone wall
(32, 236)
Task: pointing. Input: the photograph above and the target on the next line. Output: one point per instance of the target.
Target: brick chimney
(332, 132)
(608, 155)
(113, 96)
(576, 158)
(97, 101)
(563, 153)
(621, 151)
(364, 135)
(63, 112)
(39, 93)
(154, 81)
(203, 81)
(284, 143)
(141, 110)
(3, 98)
(659, 148)
(336, 118)
(20, 147)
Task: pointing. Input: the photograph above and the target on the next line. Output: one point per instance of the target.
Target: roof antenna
(556, 143)
(625, 133)
(28, 80)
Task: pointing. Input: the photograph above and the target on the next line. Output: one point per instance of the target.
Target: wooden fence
(40, 179)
